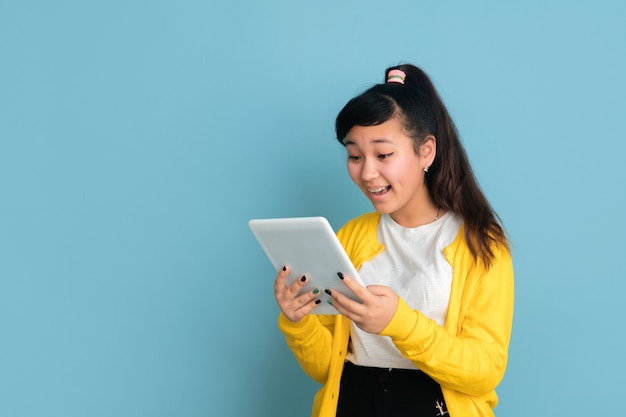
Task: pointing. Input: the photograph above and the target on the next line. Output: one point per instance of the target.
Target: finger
(280, 283)
(345, 305)
(309, 306)
(333, 301)
(302, 305)
(357, 289)
(306, 298)
(298, 284)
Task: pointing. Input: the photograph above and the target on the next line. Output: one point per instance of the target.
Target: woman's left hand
(375, 313)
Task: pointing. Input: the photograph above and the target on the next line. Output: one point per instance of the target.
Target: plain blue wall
(137, 138)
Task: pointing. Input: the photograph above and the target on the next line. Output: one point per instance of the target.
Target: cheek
(354, 173)
(406, 168)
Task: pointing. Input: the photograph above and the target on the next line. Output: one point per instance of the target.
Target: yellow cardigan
(467, 356)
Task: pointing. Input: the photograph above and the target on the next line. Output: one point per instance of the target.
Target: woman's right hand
(293, 306)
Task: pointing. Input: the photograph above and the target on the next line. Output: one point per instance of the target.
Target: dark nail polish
(340, 275)
(318, 301)
(316, 291)
(330, 302)
(284, 268)
(328, 292)
(303, 278)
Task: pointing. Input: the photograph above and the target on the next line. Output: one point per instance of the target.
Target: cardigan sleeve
(310, 340)
(471, 356)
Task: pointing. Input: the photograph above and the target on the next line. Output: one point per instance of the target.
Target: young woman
(431, 335)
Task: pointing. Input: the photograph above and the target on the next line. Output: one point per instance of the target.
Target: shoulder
(360, 224)
(359, 238)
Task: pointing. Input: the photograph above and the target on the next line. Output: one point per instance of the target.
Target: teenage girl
(431, 335)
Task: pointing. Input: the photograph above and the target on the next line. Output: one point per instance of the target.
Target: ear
(428, 150)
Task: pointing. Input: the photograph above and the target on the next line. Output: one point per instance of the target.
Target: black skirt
(384, 392)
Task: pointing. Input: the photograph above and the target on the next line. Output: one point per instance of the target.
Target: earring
(425, 169)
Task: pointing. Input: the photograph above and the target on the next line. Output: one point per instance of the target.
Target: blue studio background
(137, 138)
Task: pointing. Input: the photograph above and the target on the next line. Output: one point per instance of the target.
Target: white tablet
(309, 246)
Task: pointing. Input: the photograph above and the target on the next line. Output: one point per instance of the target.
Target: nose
(369, 170)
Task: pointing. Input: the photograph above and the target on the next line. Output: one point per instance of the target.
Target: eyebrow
(347, 141)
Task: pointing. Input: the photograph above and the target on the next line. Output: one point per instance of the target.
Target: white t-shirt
(412, 265)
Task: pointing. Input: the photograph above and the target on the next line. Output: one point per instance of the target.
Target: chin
(382, 209)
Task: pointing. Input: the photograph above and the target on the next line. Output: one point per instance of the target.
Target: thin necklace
(437, 215)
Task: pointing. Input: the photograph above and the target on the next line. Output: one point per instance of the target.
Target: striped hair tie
(396, 76)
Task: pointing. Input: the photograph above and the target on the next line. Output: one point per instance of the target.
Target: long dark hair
(450, 179)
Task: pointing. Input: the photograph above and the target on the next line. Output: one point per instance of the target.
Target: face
(383, 163)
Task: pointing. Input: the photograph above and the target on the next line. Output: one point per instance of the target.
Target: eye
(385, 155)
(353, 157)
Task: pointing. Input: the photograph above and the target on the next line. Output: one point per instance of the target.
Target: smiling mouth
(379, 191)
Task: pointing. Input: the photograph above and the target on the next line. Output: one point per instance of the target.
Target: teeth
(377, 190)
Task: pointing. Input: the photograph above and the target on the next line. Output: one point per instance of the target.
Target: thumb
(380, 290)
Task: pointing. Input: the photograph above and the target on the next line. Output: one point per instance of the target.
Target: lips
(378, 190)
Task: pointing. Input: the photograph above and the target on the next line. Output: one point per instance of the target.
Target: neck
(427, 214)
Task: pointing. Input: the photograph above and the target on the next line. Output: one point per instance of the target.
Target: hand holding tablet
(309, 247)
